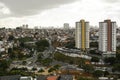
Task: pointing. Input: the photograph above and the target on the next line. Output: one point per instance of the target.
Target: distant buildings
(82, 35)
(66, 26)
(24, 26)
(107, 38)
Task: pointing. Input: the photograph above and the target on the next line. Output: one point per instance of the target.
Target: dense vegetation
(41, 45)
(72, 60)
(4, 65)
(94, 44)
(114, 62)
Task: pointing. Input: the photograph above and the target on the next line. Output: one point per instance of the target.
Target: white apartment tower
(66, 26)
(82, 35)
(107, 38)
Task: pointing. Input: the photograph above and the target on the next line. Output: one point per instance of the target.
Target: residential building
(52, 78)
(107, 38)
(82, 35)
(66, 26)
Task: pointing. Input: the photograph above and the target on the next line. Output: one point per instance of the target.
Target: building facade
(82, 35)
(66, 26)
(107, 38)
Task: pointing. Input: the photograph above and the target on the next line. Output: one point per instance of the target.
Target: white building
(66, 26)
(107, 38)
(82, 35)
(26, 78)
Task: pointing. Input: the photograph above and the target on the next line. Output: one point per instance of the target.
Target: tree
(4, 65)
(98, 73)
(84, 78)
(56, 66)
(88, 68)
(51, 70)
(92, 52)
(116, 67)
(11, 38)
(34, 69)
(41, 70)
(70, 44)
(117, 58)
(20, 69)
(24, 63)
(95, 59)
(81, 63)
(25, 39)
(43, 43)
(110, 60)
(46, 61)
(63, 58)
(106, 73)
(40, 48)
(22, 44)
(94, 44)
(10, 50)
(118, 50)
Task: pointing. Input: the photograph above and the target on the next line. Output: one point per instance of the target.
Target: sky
(14, 13)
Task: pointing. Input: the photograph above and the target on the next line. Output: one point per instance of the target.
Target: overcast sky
(14, 13)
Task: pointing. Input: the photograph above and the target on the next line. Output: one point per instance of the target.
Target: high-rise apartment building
(66, 26)
(107, 38)
(82, 35)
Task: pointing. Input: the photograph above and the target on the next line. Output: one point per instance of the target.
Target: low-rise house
(52, 78)
(105, 78)
(26, 78)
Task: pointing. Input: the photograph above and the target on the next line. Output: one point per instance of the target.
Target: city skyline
(13, 13)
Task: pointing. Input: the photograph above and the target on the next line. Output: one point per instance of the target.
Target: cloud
(111, 1)
(30, 7)
(57, 12)
(4, 10)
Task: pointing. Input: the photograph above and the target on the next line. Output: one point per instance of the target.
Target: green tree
(92, 52)
(70, 44)
(118, 50)
(34, 69)
(25, 39)
(4, 64)
(43, 43)
(51, 70)
(106, 73)
(41, 70)
(81, 63)
(95, 59)
(116, 67)
(94, 44)
(71, 60)
(110, 60)
(117, 58)
(46, 61)
(56, 66)
(83, 78)
(10, 38)
(24, 63)
(10, 50)
(98, 73)
(88, 68)
(22, 44)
